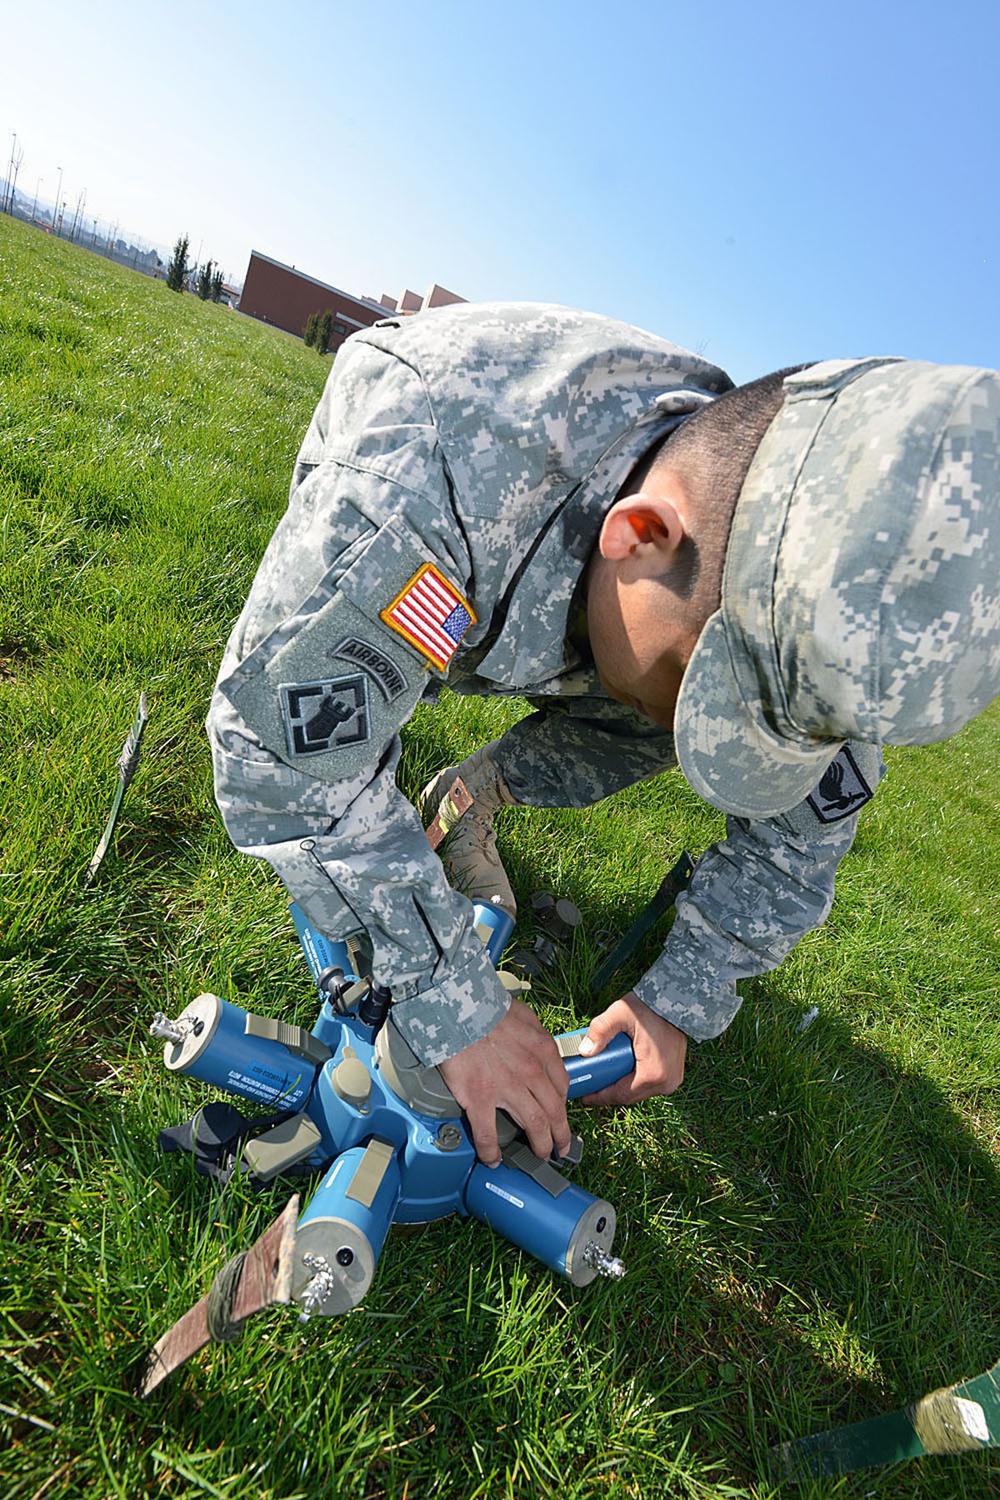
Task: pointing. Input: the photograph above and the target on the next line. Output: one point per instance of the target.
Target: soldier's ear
(644, 532)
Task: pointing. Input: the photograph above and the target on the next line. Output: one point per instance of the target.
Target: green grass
(810, 1225)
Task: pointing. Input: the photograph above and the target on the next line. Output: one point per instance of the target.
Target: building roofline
(368, 302)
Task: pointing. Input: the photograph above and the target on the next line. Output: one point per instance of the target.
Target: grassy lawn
(810, 1227)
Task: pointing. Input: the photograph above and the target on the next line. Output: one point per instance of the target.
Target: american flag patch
(431, 614)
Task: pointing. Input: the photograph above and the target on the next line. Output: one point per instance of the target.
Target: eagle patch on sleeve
(847, 784)
(842, 789)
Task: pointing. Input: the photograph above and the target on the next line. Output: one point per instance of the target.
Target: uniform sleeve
(316, 682)
(755, 895)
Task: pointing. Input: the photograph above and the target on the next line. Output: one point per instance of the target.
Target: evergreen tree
(309, 335)
(323, 332)
(177, 269)
(217, 286)
(205, 280)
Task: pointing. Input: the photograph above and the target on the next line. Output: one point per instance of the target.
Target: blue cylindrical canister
(321, 954)
(589, 1074)
(555, 1224)
(215, 1047)
(494, 926)
(340, 1235)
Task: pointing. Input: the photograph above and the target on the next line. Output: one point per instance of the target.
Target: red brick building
(279, 294)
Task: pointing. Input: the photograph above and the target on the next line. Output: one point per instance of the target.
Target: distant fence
(100, 237)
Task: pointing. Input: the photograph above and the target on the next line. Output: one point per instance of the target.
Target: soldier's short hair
(711, 453)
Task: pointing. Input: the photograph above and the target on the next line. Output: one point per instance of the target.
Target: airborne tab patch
(842, 789)
(328, 715)
(431, 614)
(391, 682)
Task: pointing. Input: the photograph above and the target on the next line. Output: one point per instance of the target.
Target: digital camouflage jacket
(443, 507)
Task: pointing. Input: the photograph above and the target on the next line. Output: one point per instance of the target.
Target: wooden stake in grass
(247, 1285)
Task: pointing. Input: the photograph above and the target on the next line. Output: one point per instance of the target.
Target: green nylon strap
(671, 886)
(221, 1298)
(961, 1418)
(128, 764)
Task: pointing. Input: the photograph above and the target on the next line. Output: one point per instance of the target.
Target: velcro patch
(431, 614)
(325, 715)
(279, 688)
(842, 789)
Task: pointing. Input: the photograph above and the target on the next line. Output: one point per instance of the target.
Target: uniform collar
(535, 644)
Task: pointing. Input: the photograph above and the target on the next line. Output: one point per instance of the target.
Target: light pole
(34, 206)
(10, 169)
(18, 159)
(57, 213)
(77, 216)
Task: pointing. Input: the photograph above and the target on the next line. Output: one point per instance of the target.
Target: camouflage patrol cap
(861, 592)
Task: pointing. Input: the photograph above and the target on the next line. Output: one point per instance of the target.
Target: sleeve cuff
(461, 1008)
(701, 1013)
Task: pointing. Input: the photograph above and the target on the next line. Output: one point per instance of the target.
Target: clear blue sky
(763, 182)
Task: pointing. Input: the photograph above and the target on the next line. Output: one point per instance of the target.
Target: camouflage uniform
(487, 442)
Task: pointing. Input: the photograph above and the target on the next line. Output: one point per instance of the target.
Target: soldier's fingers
(606, 1026)
(555, 1131)
(482, 1118)
(535, 1124)
(540, 1109)
(555, 1072)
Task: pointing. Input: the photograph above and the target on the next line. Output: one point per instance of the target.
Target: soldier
(764, 584)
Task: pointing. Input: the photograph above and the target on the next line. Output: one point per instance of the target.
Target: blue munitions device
(230, 1049)
(384, 1131)
(561, 1224)
(325, 958)
(340, 1236)
(588, 1075)
(494, 927)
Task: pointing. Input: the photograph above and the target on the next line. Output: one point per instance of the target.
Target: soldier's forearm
(750, 901)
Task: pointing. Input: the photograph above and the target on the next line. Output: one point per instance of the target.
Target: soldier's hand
(515, 1067)
(660, 1050)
